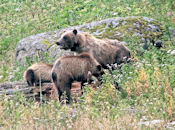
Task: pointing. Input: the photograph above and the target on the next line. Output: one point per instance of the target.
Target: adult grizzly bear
(74, 68)
(38, 72)
(105, 51)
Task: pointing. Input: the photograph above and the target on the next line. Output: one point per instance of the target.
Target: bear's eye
(65, 37)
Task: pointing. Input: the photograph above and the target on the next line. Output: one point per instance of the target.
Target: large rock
(38, 45)
(113, 28)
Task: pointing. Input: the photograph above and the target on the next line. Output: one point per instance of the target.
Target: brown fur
(74, 68)
(38, 72)
(106, 51)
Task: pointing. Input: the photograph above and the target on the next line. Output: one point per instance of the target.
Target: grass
(148, 83)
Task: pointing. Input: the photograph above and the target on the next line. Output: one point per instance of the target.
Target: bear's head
(98, 72)
(95, 68)
(69, 40)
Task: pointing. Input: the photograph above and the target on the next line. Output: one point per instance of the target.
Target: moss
(97, 29)
(47, 43)
(128, 27)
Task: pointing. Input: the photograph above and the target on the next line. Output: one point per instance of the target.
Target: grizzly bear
(74, 68)
(105, 51)
(39, 72)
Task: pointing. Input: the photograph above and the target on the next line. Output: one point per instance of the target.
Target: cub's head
(68, 40)
(95, 68)
(98, 72)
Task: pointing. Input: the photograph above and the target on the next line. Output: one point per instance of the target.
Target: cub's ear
(75, 31)
(99, 67)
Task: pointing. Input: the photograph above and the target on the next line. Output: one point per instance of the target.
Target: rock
(113, 28)
(37, 45)
(158, 123)
(152, 123)
(172, 53)
(170, 125)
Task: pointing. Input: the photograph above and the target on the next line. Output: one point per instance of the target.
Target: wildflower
(39, 10)
(169, 13)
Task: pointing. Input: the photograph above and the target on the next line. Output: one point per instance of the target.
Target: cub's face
(68, 40)
(98, 72)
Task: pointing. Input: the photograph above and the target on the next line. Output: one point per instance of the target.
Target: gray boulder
(37, 46)
(113, 28)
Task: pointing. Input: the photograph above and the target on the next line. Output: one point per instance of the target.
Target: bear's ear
(99, 68)
(75, 31)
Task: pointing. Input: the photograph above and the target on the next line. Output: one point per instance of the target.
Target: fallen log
(46, 91)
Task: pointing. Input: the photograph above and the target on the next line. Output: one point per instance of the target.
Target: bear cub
(38, 72)
(74, 68)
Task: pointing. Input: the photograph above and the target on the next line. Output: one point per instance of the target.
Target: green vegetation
(127, 27)
(148, 83)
